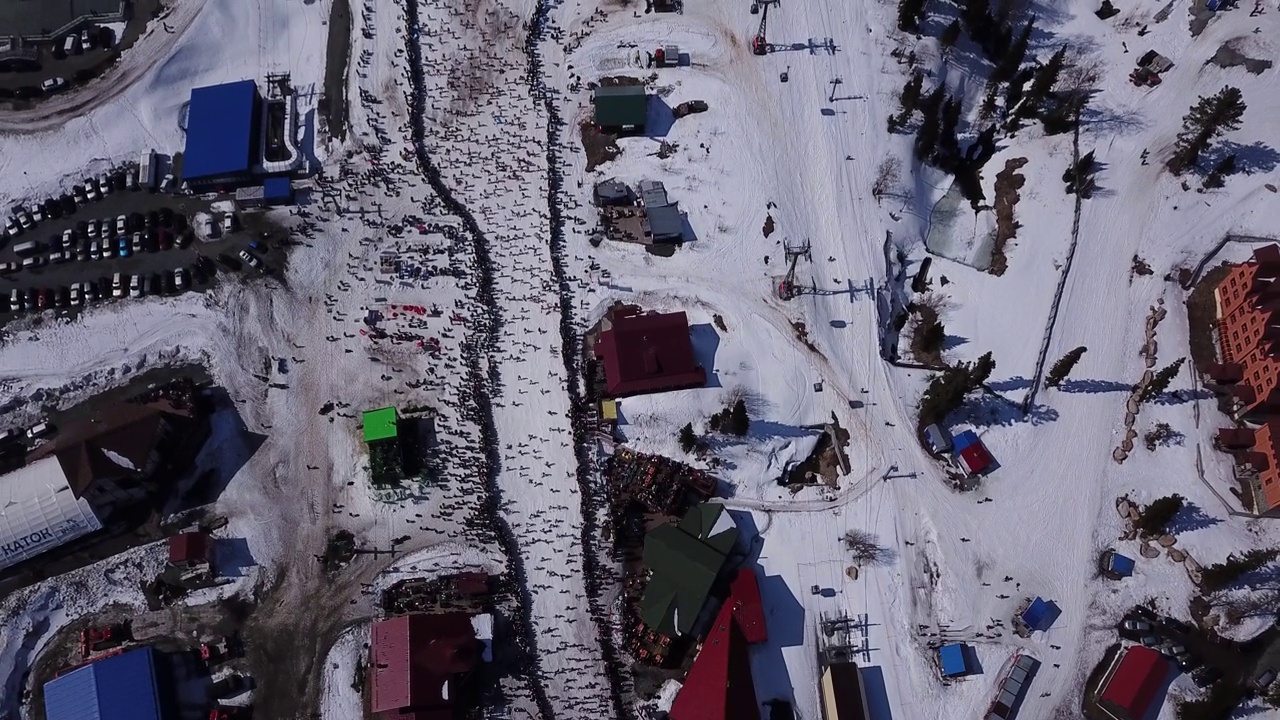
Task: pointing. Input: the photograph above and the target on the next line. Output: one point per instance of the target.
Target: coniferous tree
(1154, 517)
(910, 13)
(1218, 575)
(1209, 117)
(1045, 78)
(950, 34)
(981, 371)
(1013, 57)
(688, 441)
(927, 134)
(976, 15)
(910, 96)
(949, 121)
(739, 421)
(1160, 382)
(1063, 367)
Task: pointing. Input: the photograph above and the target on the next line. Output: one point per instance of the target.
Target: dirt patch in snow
(768, 225)
(1008, 183)
(601, 147)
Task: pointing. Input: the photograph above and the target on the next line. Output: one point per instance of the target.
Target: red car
(42, 300)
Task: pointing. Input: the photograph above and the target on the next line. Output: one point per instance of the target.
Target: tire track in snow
(481, 367)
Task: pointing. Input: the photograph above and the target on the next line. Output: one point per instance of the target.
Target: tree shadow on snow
(953, 341)
(991, 409)
(1179, 397)
(1094, 386)
(1191, 517)
(1257, 157)
(1016, 382)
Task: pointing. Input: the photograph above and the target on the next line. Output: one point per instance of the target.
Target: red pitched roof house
(418, 662)
(1133, 684)
(719, 685)
(189, 549)
(748, 609)
(647, 353)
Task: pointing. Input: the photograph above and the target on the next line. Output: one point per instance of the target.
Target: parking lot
(159, 238)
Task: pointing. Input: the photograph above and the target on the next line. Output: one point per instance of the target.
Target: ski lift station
(237, 137)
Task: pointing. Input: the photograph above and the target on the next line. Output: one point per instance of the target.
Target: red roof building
(647, 353)
(1248, 299)
(976, 459)
(188, 549)
(719, 685)
(748, 609)
(1133, 684)
(417, 663)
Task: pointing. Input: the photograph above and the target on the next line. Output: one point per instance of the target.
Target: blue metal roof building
(1120, 566)
(950, 659)
(121, 687)
(277, 190)
(223, 123)
(1040, 614)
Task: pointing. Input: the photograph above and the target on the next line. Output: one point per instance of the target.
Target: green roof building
(382, 436)
(621, 108)
(684, 561)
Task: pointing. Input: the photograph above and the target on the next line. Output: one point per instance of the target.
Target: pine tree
(1217, 176)
(1012, 59)
(1208, 118)
(945, 393)
(1218, 575)
(1154, 517)
(1047, 76)
(910, 96)
(927, 135)
(1014, 92)
(948, 141)
(1160, 382)
(950, 34)
(739, 422)
(1079, 176)
(910, 13)
(1063, 367)
(688, 441)
(990, 102)
(976, 15)
(981, 371)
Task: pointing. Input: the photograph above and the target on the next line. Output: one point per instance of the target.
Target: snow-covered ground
(803, 152)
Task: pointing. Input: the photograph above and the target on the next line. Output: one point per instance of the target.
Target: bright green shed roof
(380, 424)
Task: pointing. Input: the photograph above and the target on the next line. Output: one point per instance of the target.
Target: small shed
(971, 454)
(621, 108)
(189, 550)
(277, 191)
(953, 660)
(1116, 566)
(937, 436)
(1039, 615)
(663, 224)
(1155, 62)
(612, 193)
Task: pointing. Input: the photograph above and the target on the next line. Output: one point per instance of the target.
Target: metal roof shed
(277, 190)
(39, 511)
(381, 424)
(951, 660)
(1040, 614)
(120, 687)
(221, 120)
(1119, 566)
(666, 224)
(964, 440)
(622, 107)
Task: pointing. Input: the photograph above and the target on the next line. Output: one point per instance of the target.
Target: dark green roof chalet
(683, 561)
(621, 106)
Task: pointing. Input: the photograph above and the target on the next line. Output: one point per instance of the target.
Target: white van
(71, 45)
(30, 247)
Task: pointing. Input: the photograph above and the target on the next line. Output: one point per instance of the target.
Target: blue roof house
(952, 660)
(223, 124)
(120, 687)
(1039, 615)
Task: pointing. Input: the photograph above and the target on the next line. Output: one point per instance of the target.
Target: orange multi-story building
(1248, 340)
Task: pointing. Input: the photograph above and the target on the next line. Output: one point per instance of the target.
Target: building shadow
(229, 447)
(687, 233)
(878, 705)
(185, 683)
(659, 117)
(785, 622)
(232, 557)
(706, 342)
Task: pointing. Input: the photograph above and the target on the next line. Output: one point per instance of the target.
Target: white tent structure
(38, 512)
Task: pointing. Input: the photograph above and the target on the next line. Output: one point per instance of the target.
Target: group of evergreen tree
(732, 420)
(910, 15)
(1079, 177)
(1208, 118)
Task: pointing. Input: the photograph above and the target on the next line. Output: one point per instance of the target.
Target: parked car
(251, 260)
(137, 243)
(228, 223)
(33, 262)
(53, 84)
(105, 228)
(104, 185)
(61, 256)
(124, 247)
(77, 298)
(37, 213)
(79, 194)
(206, 226)
(117, 286)
(91, 189)
(39, 430)
(1172, 650)
(1149, 640)
(11, 227)
(149, 285)
(68, 238)
(43, 298)
(180, 279)
(8, 267)
(62, 297)
(1137, 626)
(135, 286)
(120, 225)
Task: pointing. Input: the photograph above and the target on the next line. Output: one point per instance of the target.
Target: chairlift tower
(759, 43)
(787, 288)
